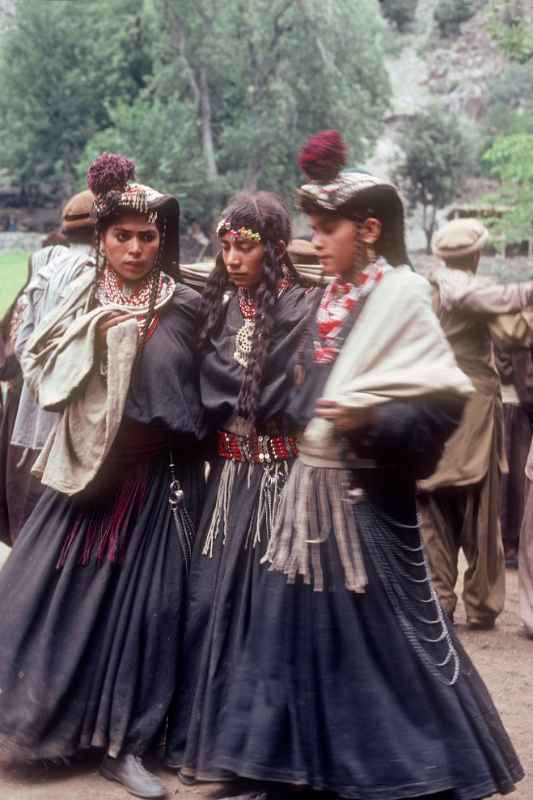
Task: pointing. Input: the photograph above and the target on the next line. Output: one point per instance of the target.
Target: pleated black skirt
(368, 696)
(90, 627)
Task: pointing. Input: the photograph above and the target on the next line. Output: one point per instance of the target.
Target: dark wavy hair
(101, 227)
(387, 208)
(265, 213)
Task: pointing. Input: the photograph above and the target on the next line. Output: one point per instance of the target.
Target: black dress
(92, 592)
(369, 696)
(242, 497)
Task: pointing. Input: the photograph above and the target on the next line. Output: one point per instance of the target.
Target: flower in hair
(110, 172)
(246, 234)
(323, 156)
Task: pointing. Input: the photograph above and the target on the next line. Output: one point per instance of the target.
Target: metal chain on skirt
(405, 577)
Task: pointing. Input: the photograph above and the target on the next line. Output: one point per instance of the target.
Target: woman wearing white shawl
(350, 679)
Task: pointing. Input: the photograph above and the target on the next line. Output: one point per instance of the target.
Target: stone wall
(20, 241)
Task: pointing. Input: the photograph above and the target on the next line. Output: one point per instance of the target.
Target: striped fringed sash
(273, 479)
(106, 531)
(315, 503)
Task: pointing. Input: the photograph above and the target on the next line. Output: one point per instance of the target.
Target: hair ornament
(323, 156)
(110, 172)
(242, 234)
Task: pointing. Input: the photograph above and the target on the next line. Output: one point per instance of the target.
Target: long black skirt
(368, 696)
(92, 600)
(19, 490)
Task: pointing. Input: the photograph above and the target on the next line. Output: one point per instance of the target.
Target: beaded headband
(135, 197)
(246, 234)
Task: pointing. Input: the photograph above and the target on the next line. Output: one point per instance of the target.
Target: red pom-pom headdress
(110, 178)
(110, 172)
(351, 193)
(323, 156)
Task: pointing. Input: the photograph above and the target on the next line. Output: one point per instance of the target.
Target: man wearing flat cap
(52, 270)
(459, 503)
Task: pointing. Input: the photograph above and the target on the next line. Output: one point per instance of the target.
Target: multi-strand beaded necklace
(112, 290)
(340, 299)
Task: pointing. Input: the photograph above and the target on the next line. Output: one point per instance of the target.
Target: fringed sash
(106, 531)
(273, 479)
(315, 504)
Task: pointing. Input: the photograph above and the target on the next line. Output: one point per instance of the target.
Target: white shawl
(395, 351)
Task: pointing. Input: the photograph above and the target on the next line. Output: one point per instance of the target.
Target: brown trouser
(525, 564)
(518, 432)
(466, 517)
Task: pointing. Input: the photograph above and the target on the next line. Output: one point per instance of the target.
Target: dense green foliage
(207, 97)
(59, 71)
(400, 12)
(510, 160)
(512, 29)
(450, 14)
(509, 123)
(438, 156)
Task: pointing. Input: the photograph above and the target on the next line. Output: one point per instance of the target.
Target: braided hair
(100, 265)
(264, 213)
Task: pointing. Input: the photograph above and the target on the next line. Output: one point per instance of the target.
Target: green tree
(437, 157)
(510, 161)
(511, 26)
(450, 14)
(61, 65)
(401, 13)
(243, 83)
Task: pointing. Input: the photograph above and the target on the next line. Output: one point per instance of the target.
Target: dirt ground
(503, 657)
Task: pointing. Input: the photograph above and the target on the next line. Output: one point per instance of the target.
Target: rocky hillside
(455, 73)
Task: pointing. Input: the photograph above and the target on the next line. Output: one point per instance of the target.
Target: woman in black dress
(92, 592)
(251, 322)
(348, 677)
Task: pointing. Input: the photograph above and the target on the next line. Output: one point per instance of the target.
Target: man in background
(460, 502)
(52, 269)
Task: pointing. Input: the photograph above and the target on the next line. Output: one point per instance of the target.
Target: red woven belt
(256, 449)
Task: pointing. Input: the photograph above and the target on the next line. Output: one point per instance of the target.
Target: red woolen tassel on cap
(323, 156)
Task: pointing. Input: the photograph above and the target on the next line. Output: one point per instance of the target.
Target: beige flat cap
(458, 238)
(77, 212)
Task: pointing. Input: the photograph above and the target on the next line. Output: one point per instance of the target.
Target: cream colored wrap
(62, 369)
(395, 351)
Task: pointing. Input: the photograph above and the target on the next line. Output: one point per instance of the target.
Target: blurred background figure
(25, 426)
(460, 502)
(515, 368)
(525, 559)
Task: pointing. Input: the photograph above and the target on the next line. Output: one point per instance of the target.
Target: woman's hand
(109, 322)
(345, 419)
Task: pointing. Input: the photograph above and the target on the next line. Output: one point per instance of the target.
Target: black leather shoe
(129, 771)
(482, 624)
(186, 780)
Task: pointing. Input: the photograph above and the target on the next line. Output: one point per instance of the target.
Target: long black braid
(155, 285)
(100, 265)
(360, 261)
(264, 213)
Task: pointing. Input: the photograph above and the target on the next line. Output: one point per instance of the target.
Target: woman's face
(335, 240)
(131, 245)
(243, 259)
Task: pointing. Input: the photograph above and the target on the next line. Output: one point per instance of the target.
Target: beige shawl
(64, 372)
(395, 351)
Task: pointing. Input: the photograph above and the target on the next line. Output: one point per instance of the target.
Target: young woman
(348, 678)
(252, 319)
(92, 592)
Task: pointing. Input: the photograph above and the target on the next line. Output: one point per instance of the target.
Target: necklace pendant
(243, 342)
